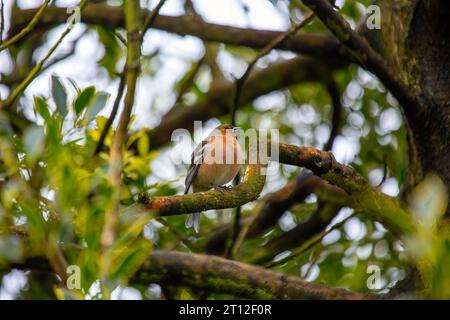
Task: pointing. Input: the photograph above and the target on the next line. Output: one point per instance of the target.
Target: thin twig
(25, 30)
(270, 209)
(235, 232)
(240, 233)
(184, 239)
(112, 116)
(64, 56)
(190, 80)
(38, 67)
(57, 262)
(362, 52)
(324, 233)
(312, 242)
(2, 22)
(152, 17)
(264, 51)
(120, 37)
(385, 172)
(13, 80)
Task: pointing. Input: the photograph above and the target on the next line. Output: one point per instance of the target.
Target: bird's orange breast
(221, 164)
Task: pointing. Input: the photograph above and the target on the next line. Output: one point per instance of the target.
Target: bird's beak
(236, 129)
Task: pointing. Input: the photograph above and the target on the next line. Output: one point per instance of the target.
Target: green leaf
(59, 96)
(83, 100)
(74, 85)
(42, 108)
(97, 105)
(113, 51)
(143, 145)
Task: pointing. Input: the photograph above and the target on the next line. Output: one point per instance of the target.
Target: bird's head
(227, 129)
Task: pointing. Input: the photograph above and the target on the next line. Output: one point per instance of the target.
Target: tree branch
(323, 164)
(131, 72)
(274, 205)
(277, 76)
(297, 236)
(361, 51)
(248, 190)
(362, 195)
(236, 234)
(205, 272)
(5, 44)
(335, 96)
(13, 79)
(112, 116)
(38, 67)
(264, 51)
(2, 21)
(108, 16)
(235, 278)
(151, 17)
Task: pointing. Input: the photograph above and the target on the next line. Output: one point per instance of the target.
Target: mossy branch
(131, 72)
(246, 191)
(274, 205)
(361, 194)
(207, 272)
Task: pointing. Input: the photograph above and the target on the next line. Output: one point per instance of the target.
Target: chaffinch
(214, 162)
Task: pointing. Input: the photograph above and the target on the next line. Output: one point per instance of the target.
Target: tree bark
(221, 275)
(414, 39)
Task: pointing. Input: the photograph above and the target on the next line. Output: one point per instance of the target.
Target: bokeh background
(371, 136)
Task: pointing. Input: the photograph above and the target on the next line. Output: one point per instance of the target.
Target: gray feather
(193, 220)
(196, 161)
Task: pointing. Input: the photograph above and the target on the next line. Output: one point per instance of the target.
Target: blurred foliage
(58, 193)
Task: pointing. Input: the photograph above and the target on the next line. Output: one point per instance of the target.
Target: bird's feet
(222, 188)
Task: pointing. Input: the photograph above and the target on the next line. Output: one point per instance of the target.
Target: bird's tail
(193, 221)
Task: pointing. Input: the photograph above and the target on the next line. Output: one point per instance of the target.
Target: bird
(214, 162)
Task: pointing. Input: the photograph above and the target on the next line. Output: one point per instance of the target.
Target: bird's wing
(196, 161)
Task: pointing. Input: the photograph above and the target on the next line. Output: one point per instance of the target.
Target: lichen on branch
(246, 191)
(226, 276)
(361, 194)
